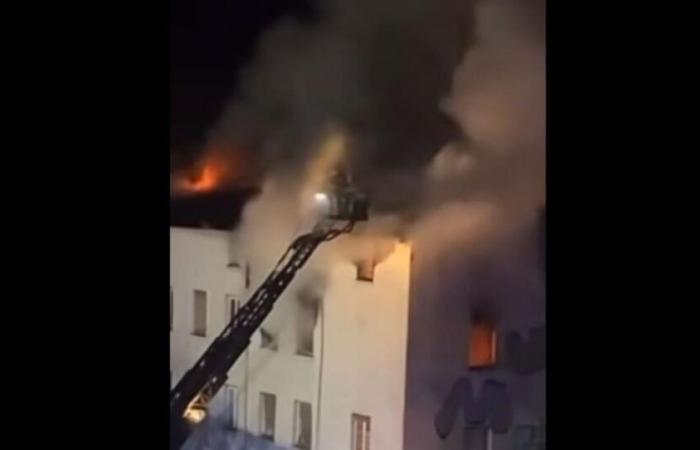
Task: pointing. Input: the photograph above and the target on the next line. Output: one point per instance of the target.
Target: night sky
(210, 41)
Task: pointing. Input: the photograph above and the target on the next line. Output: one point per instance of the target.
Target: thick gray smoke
(492, 181)
(474, 195)
(438, 105)
(376, 68)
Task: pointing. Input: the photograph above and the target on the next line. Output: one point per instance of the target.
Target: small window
(302, 425)
(232, 407)
(200, 313)
(307, 313)
(268, 339)
(171, 308)
(268, 406)
(232, 306)
(360, 432)
(477, 438)
(247, 275)
(365, 270)
(529, 437)
(482, 344)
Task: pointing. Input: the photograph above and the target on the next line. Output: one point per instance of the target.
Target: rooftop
(219, 210)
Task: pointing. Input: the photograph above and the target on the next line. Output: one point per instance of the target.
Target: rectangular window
(482, 344)
(307, 313)
(365, 270)
(232, 408)
(247, 275)
(477, 438)
(360, 432)
(232, 306)
(529, 437)
(302, 425)
(268, 406)
(268, 339)
(199, 327)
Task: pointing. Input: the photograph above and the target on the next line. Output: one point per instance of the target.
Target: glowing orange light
(207, 180)
(217, 169)
(195, 415)
(482, 345)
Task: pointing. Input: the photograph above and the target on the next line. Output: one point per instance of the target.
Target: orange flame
(208, 179)
(218, 168)
(482, 345)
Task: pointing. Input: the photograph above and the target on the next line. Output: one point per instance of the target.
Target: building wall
(444, 292)
(280, 372)
(198, 260)
(366, 331)
(360, 337)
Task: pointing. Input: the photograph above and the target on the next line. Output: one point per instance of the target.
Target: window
(171, 308)
(307, 312)
(360, 432)
(268, 405)
(365, 270)
(302, 425)
(477, 438)
(232, 412)
(200, 313)
(268, 339)
(232, 306)
(482, 344)
(247, 275)
(529, 437)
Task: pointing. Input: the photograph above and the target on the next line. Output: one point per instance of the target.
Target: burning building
(413, 350)
(326, 368)
(373, 356)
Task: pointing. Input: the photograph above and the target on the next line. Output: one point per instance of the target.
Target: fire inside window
(482, 344)
(365, 270)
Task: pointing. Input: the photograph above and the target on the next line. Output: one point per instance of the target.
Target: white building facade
(395, 362)
(322, 373)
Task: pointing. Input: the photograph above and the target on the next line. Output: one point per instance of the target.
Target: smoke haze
(437, 106)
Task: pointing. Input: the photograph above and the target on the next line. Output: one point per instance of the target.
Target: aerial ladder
(343, 206)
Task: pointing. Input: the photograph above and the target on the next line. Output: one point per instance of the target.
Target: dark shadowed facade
(476, 352)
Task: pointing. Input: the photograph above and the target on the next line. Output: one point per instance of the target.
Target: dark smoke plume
(438, 106)
(378, 69)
